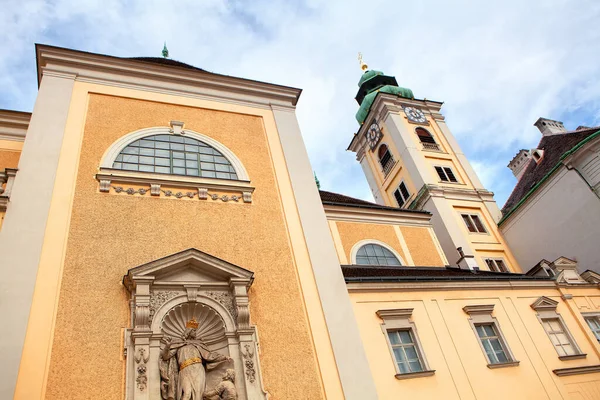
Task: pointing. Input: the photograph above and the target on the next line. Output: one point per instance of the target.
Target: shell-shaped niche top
(211, 327)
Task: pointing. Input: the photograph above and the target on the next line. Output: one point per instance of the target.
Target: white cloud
(496, 65)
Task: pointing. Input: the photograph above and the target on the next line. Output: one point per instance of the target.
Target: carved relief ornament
(212, 296)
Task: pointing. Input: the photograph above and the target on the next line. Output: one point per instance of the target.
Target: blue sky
(497, 66)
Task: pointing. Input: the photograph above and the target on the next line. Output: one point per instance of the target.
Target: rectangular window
(492, 343)
(405, 351)
(559, 337)
(473, 223)
(594, 324)
(496, 264)
(401, 194)
(446, 174)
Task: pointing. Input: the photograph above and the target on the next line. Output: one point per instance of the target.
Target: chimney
(549, 127)
(466, 261)
(519, 162)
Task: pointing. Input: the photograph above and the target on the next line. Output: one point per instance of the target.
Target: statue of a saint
(183, 364)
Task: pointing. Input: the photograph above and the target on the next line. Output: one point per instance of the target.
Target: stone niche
(165, 295)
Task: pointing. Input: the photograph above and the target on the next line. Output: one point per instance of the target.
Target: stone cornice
(13, 125)
(378, 216)
(395, 313)
(479, 309)
(447, 285)
(136, 74)
(453, 193)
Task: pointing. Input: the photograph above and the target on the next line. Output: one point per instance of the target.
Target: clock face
(415, 115)
(373, 135)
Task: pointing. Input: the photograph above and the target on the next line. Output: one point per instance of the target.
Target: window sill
(415, 374)
(588, 369)
(504, 365)
(572, 357)
(157, 185)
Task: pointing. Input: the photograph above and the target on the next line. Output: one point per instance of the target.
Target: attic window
(537, 155)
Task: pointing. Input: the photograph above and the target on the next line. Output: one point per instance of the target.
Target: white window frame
(482, 315)
(546, 310)
(401, 195)
(596, 317)
(495, 260)
(480, 217)
(444, 167)
(400, 320)
(361, 243)
(109, 177)
(115, 149)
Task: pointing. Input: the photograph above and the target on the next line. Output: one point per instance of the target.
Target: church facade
(162, 237)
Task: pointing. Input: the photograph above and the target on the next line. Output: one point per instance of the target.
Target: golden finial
(363, 66)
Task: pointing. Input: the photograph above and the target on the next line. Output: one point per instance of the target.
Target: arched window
(427, 139)
(176, 155)
(374, 254)
(385, 158)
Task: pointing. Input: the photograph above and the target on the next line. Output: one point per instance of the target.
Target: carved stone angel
(183, 365)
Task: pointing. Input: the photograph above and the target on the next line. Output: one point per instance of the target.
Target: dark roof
(336, 199)
(166, 61)
(369, 273)
(554, 147)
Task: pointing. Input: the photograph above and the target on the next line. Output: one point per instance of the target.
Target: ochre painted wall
(352, 233)
(452, 349)
(109, 234)
(10, 151)
(421, 246)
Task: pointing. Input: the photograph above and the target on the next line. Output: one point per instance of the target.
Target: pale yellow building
(161, 225)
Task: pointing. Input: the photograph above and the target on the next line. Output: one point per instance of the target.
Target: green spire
(165, 51)
(317, 181)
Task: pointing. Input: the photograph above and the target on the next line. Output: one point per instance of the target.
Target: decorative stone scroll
(191, 322)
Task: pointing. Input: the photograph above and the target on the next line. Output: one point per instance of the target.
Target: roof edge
(547, 176)
(89, 65)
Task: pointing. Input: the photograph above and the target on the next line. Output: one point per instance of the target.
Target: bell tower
(411, 160)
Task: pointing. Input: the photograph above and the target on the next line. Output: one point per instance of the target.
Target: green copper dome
(367, 102)
(368, 75)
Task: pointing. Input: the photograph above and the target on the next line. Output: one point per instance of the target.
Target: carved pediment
(544, 303)
(591, 277)
(187, 267)
(564, 261)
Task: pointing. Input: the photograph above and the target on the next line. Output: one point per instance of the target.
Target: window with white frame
(489, 335)
(405, 351)
(401, 194)
(446, 174)
(496, 264)
(593, 322)
(556, 329)
(473, 222)
(403, 341)
(558, 336)
(492, 343)
(175, 155)
(375, 254)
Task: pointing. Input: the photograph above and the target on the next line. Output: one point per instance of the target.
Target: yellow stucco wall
(10, 151)
(453, 351)
(109, 234)
(352, 233)
(421, 246)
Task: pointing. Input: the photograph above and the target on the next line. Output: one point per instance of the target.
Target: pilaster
(22, 234)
